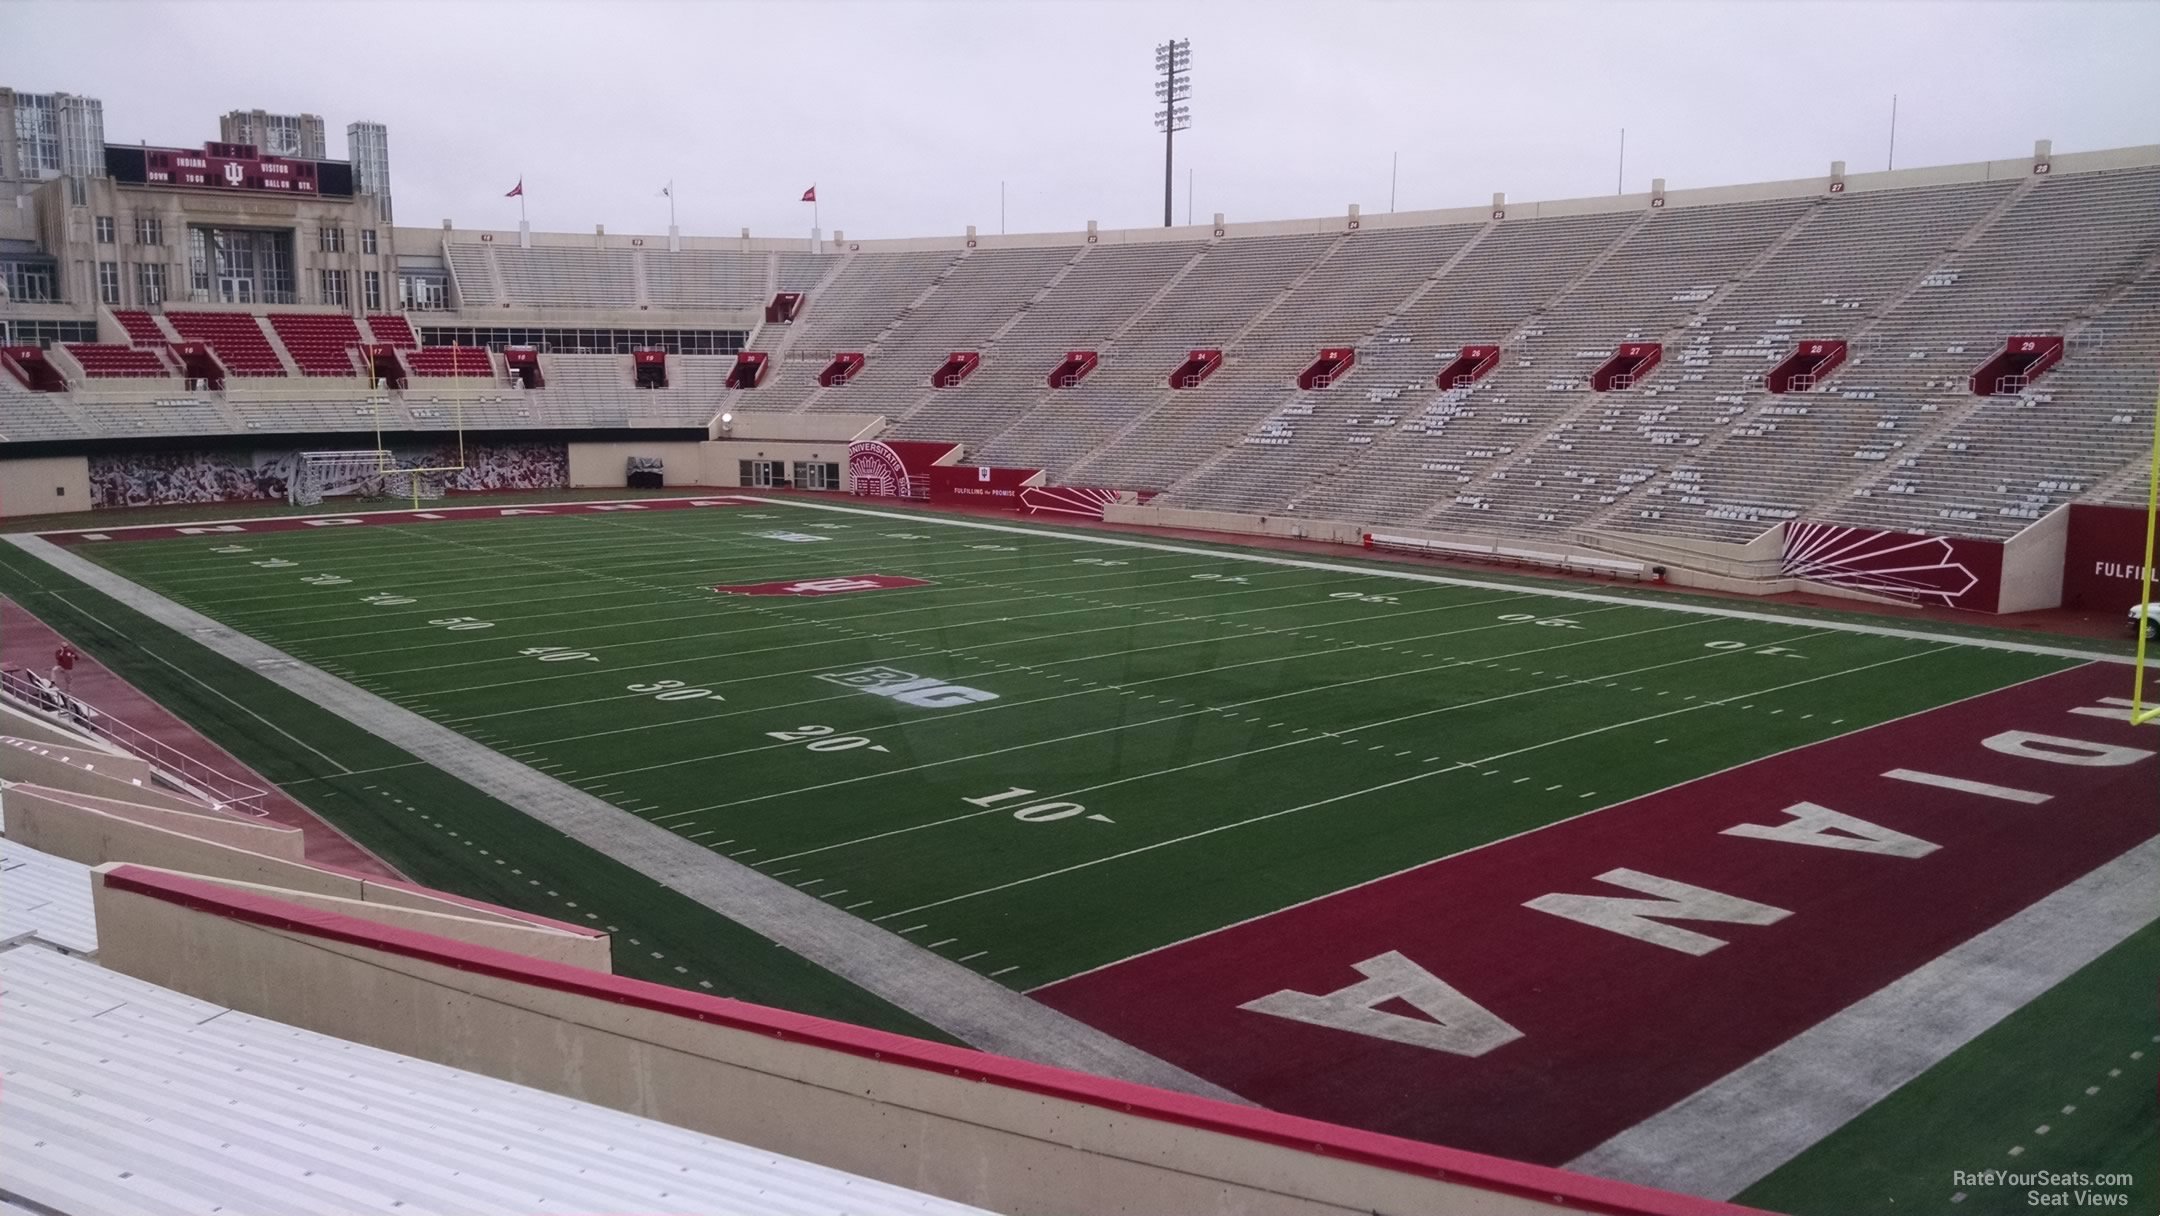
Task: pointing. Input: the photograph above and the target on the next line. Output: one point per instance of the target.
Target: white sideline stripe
(719, 606)
(1590, 597)
(954, 998)
(1963, 786)
(1461, 764)
(464, 513)
(1733, 1132)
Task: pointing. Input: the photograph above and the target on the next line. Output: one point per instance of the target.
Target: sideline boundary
(1412, 576)
(1531, 586)
(972, 1008)
(1735, 1131)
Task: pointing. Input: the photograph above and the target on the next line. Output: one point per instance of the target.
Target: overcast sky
(907, 116)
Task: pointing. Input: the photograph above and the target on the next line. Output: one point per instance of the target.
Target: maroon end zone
(829, 584)
(1439, 1004)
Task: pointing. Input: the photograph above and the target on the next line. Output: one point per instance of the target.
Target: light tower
(1172, 59)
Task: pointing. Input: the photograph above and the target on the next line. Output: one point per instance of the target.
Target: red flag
(810, 195)
(516, 190)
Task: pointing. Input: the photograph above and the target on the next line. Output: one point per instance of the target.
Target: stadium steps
(1116, 336)
(1536, 320)
(1973, 235)
(1350, 465)
(277, 346)
(1232, 351)
(1021, 313)
(1148, 305)
(797, 334)
(2129, 485)
(1592, 402)
(640, 284)
(1953, 422)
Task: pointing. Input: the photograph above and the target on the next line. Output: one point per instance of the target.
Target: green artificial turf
(2079, 1061)
(1200, 738)
(434, 828)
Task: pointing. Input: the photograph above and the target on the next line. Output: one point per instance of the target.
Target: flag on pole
(517, 191)
(667, 191)
(810, 195)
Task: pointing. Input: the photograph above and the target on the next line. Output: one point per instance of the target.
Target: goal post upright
(2140, 712)
(457, 413)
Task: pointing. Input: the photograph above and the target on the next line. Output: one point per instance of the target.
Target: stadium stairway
(1974, 233)
(1672, 337)
(1167, 398)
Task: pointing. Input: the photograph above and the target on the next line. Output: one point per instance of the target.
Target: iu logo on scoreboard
(235, 172)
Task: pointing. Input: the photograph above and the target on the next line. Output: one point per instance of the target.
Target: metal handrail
(223, 791)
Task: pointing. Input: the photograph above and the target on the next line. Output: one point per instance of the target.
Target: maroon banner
(895, 468)
(2104, 562)
(1538, 995)
(1083, 502)
(1949, 571)
(826, 584)
(979, 483)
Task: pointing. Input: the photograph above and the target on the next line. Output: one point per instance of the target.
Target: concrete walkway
(1735, 1131)
(953, 998)
(27, 642)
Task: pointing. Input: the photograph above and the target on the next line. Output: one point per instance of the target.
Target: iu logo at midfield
(831, 585)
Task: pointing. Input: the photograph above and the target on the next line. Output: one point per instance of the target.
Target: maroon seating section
(390, 329)
(237, 337)
(321, 343)
(449, 361)
(142, 328)
(107, 360)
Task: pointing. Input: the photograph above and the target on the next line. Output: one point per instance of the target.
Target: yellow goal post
(2140, 712)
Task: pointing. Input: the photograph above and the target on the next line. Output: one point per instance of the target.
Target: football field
(1362, 841)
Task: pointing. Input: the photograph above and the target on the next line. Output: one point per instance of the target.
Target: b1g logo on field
(832, 585)
(923, 692)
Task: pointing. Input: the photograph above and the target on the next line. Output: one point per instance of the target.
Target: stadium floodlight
(1173, 60)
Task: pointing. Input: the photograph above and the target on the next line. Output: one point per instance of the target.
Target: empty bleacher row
(1919, 281)
(554, 276)
(1921, 284)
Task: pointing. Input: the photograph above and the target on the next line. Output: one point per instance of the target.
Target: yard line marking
(1147, 848)
(1010, 704)
(1391, 675)
(822, 642)
(1241, 755)
(995, 974)
(1592, 597)
(971, 957)
(947, 942)
(1538, 828)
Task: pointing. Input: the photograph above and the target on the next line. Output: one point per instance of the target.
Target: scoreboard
(226, 166)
